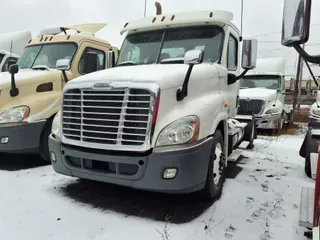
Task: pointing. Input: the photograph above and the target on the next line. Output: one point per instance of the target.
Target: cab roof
(61, 34)
(180, 20)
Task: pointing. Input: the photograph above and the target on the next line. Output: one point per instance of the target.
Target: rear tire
(44, 141)
(250, 133)
(216, 168)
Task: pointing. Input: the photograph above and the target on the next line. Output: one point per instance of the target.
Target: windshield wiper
(127, 63)
(172, 60)
(41, 67)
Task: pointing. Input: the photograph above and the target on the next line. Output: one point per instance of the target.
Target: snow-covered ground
(260, 201)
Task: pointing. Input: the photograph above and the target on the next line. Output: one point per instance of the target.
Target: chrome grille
(250, 107)
(112, 117)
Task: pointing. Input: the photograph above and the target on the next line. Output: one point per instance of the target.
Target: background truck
(31, 91)
(262, 93)
(296, 26)
(11, 47)
(161, 120)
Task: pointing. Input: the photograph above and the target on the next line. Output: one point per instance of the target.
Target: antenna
(241, 21)
(145, 7)
(11, 48)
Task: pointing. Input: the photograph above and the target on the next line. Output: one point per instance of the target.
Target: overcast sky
(260, 17)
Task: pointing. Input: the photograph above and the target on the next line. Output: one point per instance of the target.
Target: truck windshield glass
(46, 54)
(170, 45)
(270, 82)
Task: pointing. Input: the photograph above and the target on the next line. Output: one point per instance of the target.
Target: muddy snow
(260, 201)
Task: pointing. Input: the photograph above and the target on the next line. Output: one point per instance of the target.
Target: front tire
(216, 167)
(44, 141)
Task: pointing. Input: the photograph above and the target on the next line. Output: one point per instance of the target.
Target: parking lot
(260, 200)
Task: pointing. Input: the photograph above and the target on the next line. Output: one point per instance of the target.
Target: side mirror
(11, 62)
(63, 64)
(90, 62)
(193, 57)
(249, 53)
(13, 69)
(111, 59)
(295, 22)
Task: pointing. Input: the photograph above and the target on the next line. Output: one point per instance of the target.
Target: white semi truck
(162, 118)
(11, 48)
(262, 93)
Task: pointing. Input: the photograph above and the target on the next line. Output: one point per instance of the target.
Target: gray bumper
(269, 122)
(134, 170)
(23, 138)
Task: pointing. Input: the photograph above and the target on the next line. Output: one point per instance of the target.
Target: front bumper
(22, 138)
(135, 170)
(265, 122)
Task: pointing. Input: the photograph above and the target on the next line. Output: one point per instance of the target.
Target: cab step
(306, 207)
(234, 156)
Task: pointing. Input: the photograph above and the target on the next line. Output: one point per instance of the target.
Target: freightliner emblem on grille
(101, 85)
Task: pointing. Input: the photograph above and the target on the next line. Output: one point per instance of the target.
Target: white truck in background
(262, 93)
(163, 118)
(11, 47)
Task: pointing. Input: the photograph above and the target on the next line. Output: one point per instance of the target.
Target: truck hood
(166, 75)
(258, 93)
(28, 76)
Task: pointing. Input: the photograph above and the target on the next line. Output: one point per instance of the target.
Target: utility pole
(297, 87)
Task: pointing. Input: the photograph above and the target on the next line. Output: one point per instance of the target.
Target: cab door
(233, 67)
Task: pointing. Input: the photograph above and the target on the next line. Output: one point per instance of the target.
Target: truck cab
(30, 93)
(262, 93)
(159, 120)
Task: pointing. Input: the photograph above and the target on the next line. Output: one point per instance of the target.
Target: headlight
(273, 111)
(316, 112)
(181, 131)
(55, 128)
(15, 115)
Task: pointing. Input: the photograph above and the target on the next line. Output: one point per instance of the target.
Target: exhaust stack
(158, 8)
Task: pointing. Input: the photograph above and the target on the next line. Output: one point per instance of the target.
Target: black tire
(44, 141)
(307, 165)
(211, 190)
(250, 133)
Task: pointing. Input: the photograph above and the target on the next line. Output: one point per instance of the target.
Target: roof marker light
(30, 41)
(173, 16)
(41, 39)
(126, 25)
(68, 37)
(163, 18)
(211, 14)
(46, 39)
(154, 19)
(50, 38)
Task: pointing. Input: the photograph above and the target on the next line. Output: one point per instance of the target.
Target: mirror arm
(65, 76)
(183, 92)
(14, 91)
(306, 56)
(242, 74)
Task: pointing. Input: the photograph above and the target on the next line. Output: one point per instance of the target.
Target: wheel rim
(216, 164)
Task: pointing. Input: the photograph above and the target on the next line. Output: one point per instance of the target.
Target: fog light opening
(141, 163)
(53, 157)
(4, 140)
(169, 173)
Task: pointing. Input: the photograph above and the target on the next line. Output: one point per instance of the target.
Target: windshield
(1, 57)
(261, 81)
(157, 46)
(46, 54)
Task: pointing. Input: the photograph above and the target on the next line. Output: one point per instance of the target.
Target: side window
(101, 59)
(232, 53)
(5, 67)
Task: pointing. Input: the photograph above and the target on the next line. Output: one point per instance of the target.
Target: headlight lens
(316, 112)
(15, 115)
(273, 111)
(55, 128)
(181, 131)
